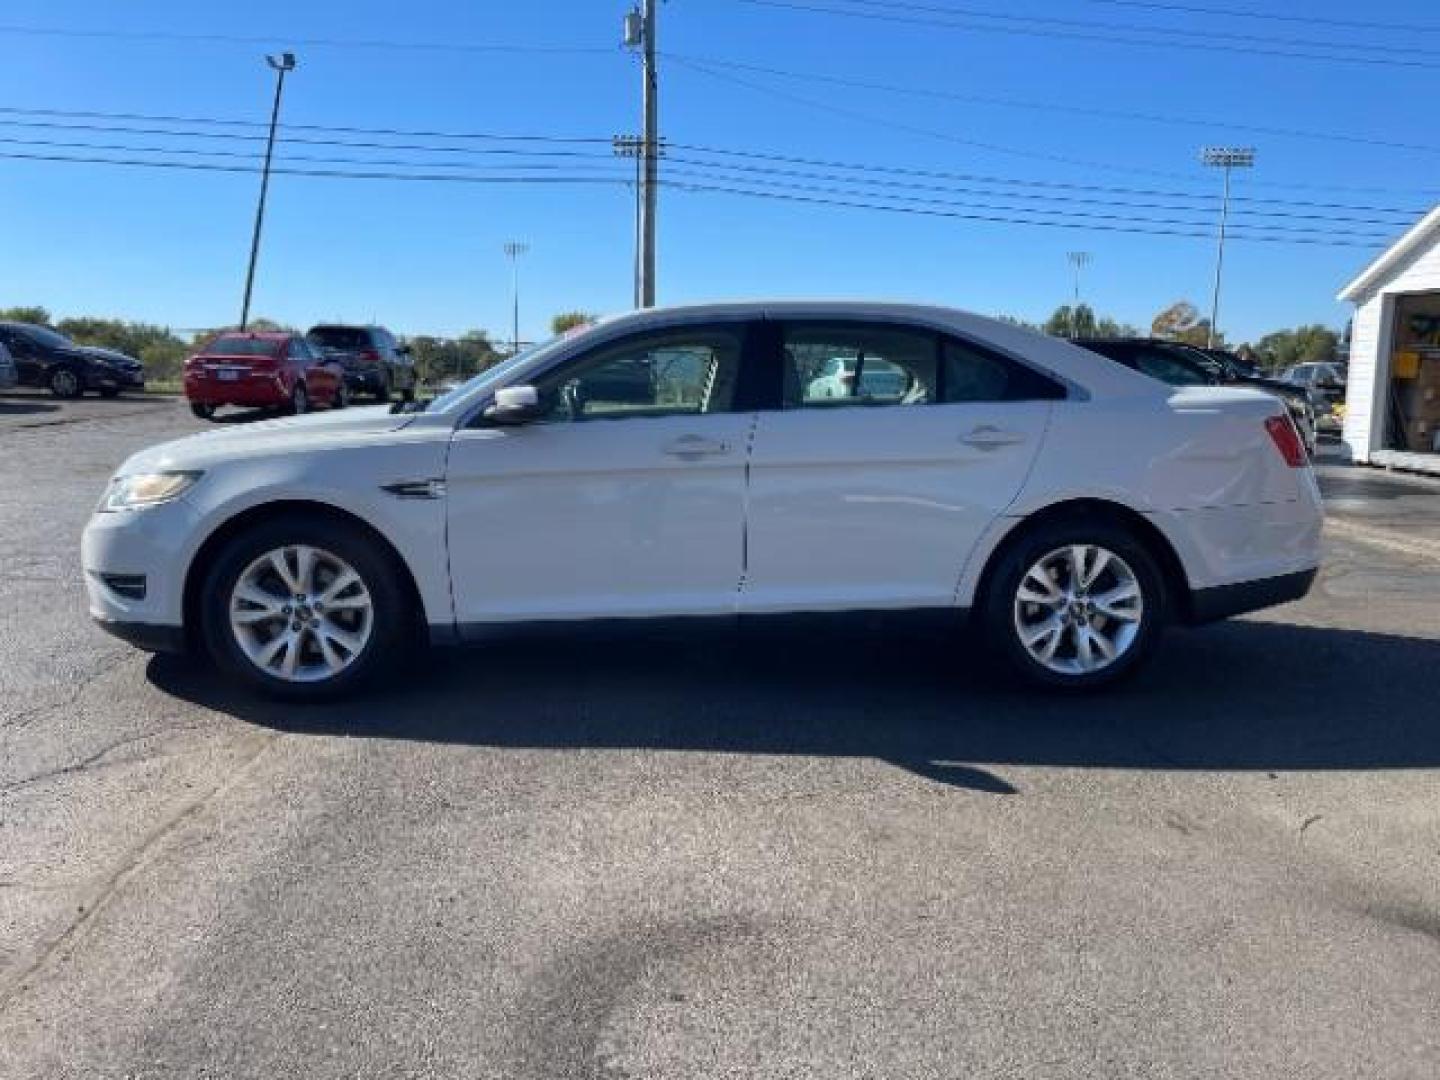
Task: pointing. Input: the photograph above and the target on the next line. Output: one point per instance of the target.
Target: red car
(266, 370)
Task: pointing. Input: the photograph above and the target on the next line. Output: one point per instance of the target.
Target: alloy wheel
(1078, 609)
(301, 614)
(64, 383)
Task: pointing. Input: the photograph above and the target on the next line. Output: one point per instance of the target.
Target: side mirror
(514, 405)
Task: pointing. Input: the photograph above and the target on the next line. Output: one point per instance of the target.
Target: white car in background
(672, 462)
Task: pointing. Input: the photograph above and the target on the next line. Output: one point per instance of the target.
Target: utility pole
(1227, 158)
(640, 32)
(282, 65)
(513, 250)
(1079, 260)
(631, 146)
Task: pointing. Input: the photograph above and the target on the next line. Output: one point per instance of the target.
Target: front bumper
(149, 544)
(147, 637)
(114, 379)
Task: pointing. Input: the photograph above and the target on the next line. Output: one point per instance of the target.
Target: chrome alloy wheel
(1078, 609)
(301, 614)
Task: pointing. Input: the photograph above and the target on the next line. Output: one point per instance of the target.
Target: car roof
(266, 334)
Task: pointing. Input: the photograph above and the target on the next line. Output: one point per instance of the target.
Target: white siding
(1370, 346)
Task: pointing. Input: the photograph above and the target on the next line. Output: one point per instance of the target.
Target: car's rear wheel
(1075, 604)
(110, 393)
(65, 382)
(382, 391)
(202, 411)
(342, 395)
(299, 400)
(304, 609)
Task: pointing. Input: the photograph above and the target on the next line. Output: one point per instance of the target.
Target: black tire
(65, 382)
(392, 618)
(109, 393)
(382, 392)
(202, 412)
(341, 399)
(999, 616)
(299, 400)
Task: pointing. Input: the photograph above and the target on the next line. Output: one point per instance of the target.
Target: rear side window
(1159, 364)
(972, 373)
(339, 337)
(236, 345)
(857, 364)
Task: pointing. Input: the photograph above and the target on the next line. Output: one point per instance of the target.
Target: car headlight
(146, 489)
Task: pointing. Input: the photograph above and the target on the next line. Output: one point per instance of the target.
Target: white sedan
(673, 462)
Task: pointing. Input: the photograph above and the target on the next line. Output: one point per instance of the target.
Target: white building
(1392, 401)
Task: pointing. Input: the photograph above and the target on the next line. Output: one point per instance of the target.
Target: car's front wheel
(1075, 605)
(304, 609)
(201, 411)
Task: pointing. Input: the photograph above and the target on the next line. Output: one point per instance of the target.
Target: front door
(895, 447)
(626, 497)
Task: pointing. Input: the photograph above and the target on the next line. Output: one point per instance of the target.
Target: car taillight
(369, 356)
(1287, 441)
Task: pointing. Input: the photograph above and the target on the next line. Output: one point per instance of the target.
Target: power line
(573, 154)
(1075, 110)
(1269, 16)
(273, 41)
(1208, 35)
(1261, 232)
(1111, 38)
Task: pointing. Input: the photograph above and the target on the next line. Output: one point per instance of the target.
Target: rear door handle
(990, 437)
(692, 446)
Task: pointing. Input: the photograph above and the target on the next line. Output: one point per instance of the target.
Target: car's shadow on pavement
(22, 406)
(1238, 696)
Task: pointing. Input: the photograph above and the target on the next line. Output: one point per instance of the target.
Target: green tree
(440, 360)
(1066, 321)
(35, 314)
(569, 320)
(1301, 345)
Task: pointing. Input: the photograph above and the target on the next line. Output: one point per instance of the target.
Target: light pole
(1079, 260)
(1227, 158)
(282, 65)
(513, 250)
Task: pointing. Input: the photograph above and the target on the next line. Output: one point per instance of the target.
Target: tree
(36, 314)
(1283, 348)
(439, 360)
(569, 320)
(1082, 322)
(1181, 321)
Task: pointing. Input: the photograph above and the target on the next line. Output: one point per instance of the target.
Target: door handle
(687, 446)
(990, 437)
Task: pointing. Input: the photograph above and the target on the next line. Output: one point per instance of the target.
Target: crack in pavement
(108, 662)
(97, 899)
(97, 757)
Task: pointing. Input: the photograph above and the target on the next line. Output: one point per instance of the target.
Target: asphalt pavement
(847, 849)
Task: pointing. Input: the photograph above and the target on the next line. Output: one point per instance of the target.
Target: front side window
(672, 373)
(836, 366)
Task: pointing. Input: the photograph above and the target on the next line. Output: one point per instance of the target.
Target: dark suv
(47, 358)
(1179, 364)
(374, 362)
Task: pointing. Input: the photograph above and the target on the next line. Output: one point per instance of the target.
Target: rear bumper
(255, 392)
(1223, 601)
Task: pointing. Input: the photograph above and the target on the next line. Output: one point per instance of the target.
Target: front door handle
(693, 446)
(990, 437)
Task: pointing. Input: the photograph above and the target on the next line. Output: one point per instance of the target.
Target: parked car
(47, 358)
(374, 362)
(1325, 383)
(1179, 364)
(879, 379)
(1073, 506)
(8, 376)
(266, 370)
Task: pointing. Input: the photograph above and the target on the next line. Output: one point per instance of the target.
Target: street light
(1227, 158)
(1079, 260)
(513, 250)
(282, 65)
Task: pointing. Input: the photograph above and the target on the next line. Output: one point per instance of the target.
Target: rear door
(874, 498)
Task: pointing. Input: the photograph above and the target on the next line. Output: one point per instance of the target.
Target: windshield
(496, 373)
(339, 337)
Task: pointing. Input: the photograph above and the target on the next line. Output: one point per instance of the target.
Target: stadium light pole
(513, 250)
(282, 65)
(1227, 158)
(1079, 260)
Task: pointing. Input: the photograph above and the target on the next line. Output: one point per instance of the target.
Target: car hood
(108, 355)
(293, 434)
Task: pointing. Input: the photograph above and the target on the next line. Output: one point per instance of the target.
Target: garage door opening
(1413, 405)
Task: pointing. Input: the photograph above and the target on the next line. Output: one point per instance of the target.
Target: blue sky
(169, 246)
